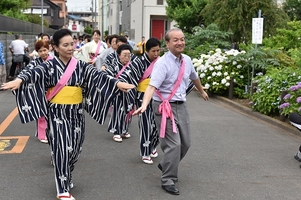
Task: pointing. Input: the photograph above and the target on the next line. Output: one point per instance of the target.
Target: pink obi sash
(165, 107)
(42, 123)
(149, 70)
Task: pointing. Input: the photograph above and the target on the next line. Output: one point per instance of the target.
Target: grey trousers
(2, 74)
(174, 145)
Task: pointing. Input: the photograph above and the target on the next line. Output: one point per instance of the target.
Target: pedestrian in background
(168, 85)
(141, 45)
(18, 47)
(2, 66)
(130, 42)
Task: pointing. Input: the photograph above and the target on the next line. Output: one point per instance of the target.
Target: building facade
(51, 12)
(137, 18)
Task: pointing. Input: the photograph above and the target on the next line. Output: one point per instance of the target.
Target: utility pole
(95, 16)
(92, 10)
(102, 20)
(42, 14)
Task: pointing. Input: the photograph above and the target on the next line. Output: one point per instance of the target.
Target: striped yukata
(148, 132)
(66, 122)
(124, 102)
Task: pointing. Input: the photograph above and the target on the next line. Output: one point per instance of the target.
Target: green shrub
(267, 97)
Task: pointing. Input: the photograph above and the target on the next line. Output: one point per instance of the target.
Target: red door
(158, 29)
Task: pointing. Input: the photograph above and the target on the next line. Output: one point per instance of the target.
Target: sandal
(64, 197)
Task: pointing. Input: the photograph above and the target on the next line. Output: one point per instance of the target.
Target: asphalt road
(234, 156)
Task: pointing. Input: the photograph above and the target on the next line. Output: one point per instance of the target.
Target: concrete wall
(6, 39)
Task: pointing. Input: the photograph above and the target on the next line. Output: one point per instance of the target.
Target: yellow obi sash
(68, 95)
(143, 85)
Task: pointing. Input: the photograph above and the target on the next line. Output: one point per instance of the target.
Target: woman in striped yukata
(42, 49)
(123, 104)
(65, 111)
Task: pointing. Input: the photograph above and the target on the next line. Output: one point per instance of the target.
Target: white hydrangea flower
(202, 75)
(224, 81)
(214, 74)
(241, 76)
(227, 84)
(239, 66)
(228, 78)
(219, 73)
(207, 85)
(226, 74)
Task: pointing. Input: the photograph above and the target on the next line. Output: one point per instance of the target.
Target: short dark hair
(121, 39)
(58, 35)
(123, 47)
(112, 37)
(96, 31)
(152, 42)
(45, 34)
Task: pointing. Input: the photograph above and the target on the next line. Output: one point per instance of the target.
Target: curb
(283, 125)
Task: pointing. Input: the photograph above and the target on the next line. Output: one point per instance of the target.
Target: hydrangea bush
(217, 68)
(267, 98)
(292, 100)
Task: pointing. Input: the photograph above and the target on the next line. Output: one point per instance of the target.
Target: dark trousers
(14, 65)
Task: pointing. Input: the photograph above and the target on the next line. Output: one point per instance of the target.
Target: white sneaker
(126, 135)
(154, 154)
(65, 196)
(147, 160)
(45, 141)
(117, 138)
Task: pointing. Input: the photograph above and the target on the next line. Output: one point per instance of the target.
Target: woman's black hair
(96, 31)
(59, 35)
(123, 47)
(152, 42)
(112, 37)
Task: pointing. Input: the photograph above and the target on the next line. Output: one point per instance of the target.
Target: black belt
(177, 102)
(173, 102)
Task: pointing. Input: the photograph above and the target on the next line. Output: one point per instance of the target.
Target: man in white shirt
(17, 47)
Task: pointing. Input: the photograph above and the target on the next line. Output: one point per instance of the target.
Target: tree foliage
(203, 40)
(36, 19)
(186, 13)
(13, 8)
(293, 9)
(236, 16)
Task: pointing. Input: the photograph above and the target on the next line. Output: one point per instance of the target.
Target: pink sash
(123, 68)
(149, 70)
(128, 116)
(165, 107)
(97, 50)
(49, 57)
(42, 123)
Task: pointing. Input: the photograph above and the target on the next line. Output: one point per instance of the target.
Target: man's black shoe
(160, 167)
(171, 189)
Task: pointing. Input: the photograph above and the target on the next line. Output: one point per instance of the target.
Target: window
(159, 2)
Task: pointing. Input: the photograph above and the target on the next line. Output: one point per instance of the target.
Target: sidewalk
(276, 122)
